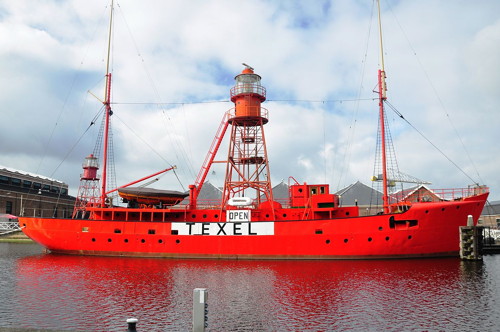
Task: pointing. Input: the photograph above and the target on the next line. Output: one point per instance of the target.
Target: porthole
(205, 216)
(409, 237)
(327, 241)
(109, 240)
(426, 211)
(177, 241)
(380, 228)
(347, 213)
(160, 241)
(387, 238)
(193, 216)
(126, 240)
(458, 207)
(93, 239)
(442, 209)
(216, 216)
(284, 215)
(369, 239)
(143, 241)
(346, 240)
(267, 215)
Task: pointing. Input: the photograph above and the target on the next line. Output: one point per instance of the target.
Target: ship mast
(381, 98)
(107, 106)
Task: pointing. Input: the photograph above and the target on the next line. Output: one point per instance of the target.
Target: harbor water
(46, 291)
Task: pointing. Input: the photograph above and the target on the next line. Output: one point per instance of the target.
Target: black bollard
(131, 324)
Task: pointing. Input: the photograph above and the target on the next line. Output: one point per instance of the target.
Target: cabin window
(322, 190)
(313, 191)
(118, 231)
(151, 231)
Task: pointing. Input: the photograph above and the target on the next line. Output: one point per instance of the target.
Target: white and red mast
(381, 98)
(107, 109)
(89, 193)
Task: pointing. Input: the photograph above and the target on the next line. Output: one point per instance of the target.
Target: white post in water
(131, 324)
(470, 220)
(200, 309)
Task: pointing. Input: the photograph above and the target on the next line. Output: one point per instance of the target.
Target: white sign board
(238, 215)
(224, 228)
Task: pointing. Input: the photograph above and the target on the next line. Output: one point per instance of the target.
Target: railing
(248, 88)
(437, 195)
(264, 113)
(9, 226)
(205, 204)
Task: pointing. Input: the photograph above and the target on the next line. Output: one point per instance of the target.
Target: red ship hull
(426, 229)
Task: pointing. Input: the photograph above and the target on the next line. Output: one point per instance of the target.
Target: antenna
(248, 67)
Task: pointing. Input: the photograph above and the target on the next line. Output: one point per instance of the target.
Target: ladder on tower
(202, 175)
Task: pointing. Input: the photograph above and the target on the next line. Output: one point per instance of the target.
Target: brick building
(23, 193)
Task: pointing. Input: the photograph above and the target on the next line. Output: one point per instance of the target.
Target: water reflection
(99, 293)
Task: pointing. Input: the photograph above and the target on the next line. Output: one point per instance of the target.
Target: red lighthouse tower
(88, 192)
(247, 172)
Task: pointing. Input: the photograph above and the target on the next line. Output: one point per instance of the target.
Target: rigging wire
(182, 103)
(152, 149)
(63, 108)
(156, 92)
(76, 143)
(447, 115)
(429, 141)
(350, 138)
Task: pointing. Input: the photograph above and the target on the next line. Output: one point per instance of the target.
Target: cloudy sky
(174, 62)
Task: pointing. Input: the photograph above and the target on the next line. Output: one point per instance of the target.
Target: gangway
(9, 226)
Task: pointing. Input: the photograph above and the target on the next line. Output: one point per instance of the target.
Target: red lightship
(248, 223)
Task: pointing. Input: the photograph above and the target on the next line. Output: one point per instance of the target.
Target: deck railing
(438, 195)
